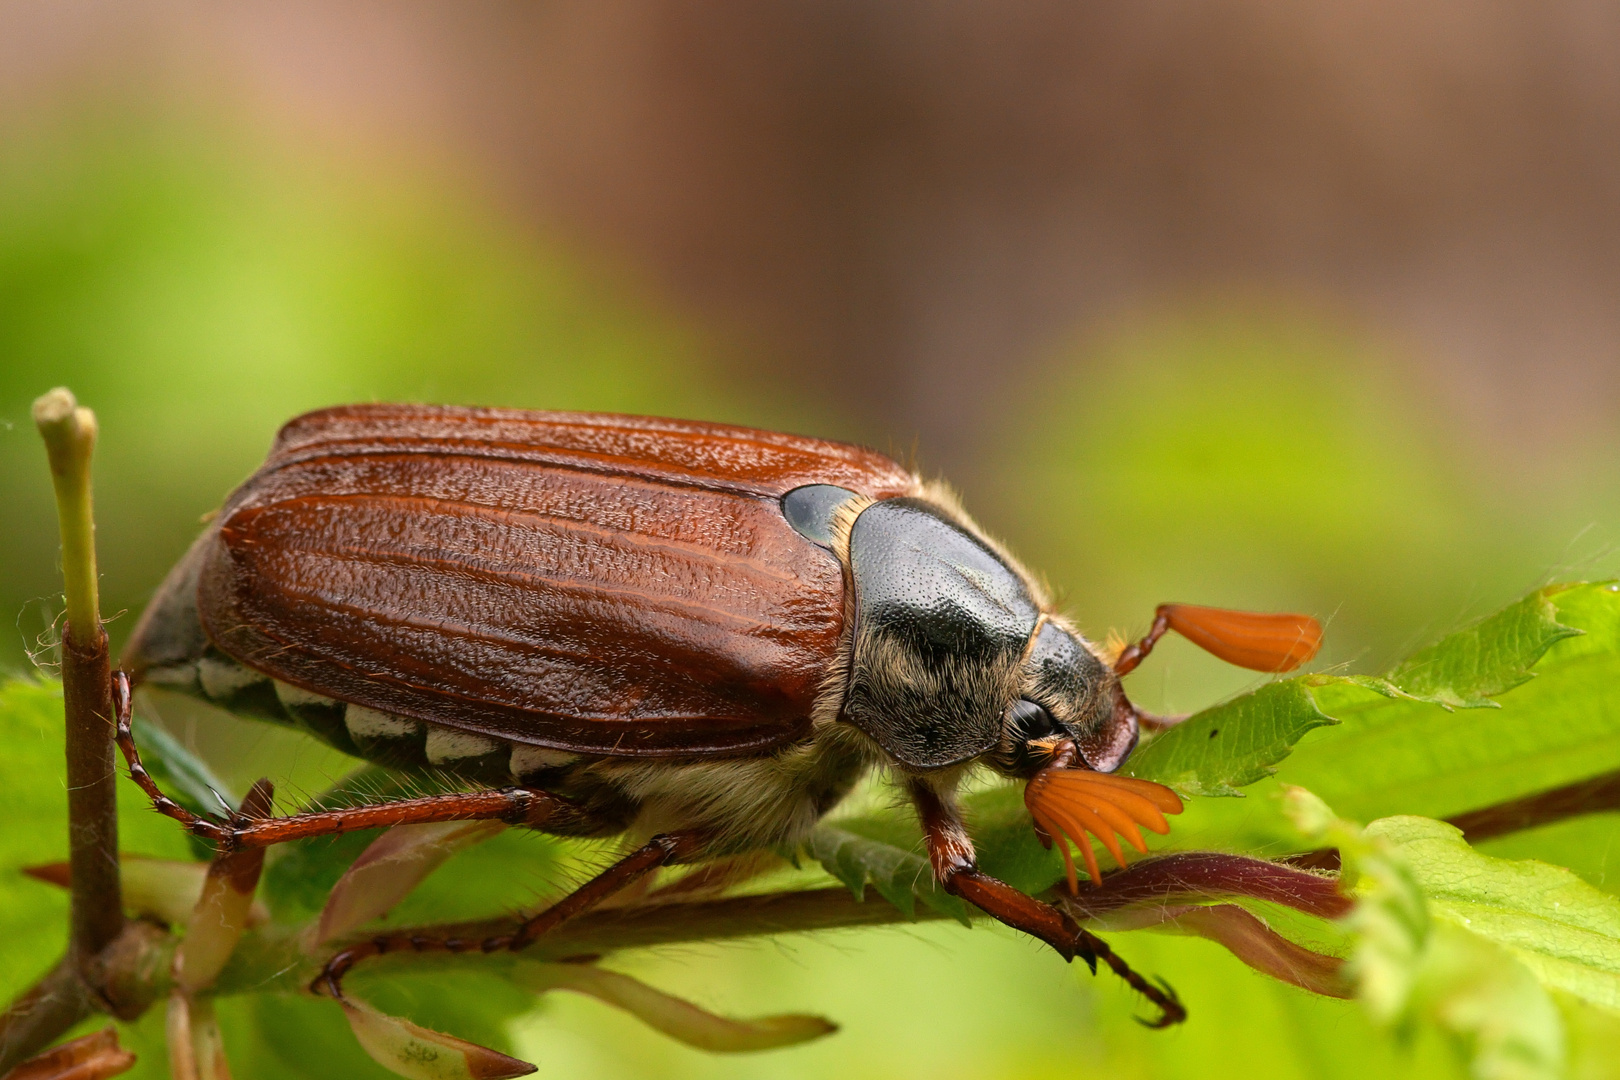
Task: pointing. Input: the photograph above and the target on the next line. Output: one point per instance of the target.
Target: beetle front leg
(950, 850)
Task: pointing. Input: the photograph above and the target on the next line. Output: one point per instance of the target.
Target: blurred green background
(199, 273)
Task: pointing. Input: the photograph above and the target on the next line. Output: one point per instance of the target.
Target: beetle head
(1069, 729)
(1068, 695)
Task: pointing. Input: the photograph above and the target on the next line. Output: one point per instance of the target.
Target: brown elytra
(583, 582)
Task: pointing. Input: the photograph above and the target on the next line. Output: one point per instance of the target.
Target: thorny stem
(1593, 795)
(1544, 807)
(97, 905)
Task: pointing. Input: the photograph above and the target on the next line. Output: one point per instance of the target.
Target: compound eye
(1028, 721)
(1027, 725)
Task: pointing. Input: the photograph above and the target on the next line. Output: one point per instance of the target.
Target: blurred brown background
(903, 203)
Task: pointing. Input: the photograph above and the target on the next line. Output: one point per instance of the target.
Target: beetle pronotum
(697, 635)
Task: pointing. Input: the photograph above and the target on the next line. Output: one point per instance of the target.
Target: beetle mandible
(698, 635)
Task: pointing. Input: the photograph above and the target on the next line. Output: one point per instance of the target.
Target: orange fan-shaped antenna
(1258, 642)
(1069, 803)
(1247, 639)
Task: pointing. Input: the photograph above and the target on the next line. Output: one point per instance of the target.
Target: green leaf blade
(1468, 668)
(1395, 752)
(1232, 745)
(900, 876)
(1400, 755)
(1563, 929)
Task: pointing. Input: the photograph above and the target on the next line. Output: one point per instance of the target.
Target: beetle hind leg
(519, 805)
(660, 851)
(514, 805)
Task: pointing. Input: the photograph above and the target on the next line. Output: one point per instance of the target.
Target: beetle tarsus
(1161, 993)
(952, 855)
(209, 828)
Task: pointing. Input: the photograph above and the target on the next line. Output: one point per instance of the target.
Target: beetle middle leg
(951, 852)
(660, 851)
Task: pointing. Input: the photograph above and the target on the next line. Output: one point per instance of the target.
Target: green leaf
(1243, 740)
(1231, 745)
(900, 876)
(1551, 657)
(1417, 962)
(1491, 657)
(1565, 931)
(1505, 1024)
(1394, 755)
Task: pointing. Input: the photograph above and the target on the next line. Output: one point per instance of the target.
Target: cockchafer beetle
(692, 632)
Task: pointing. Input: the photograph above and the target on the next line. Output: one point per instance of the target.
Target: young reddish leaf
(208, 1046)
(415, 1052)
(222, 911)
(1262, 948)
(1209, 875)
(393, 865)
(89, 1057)
(678, 1019)
(162, 889)
(196, 1049)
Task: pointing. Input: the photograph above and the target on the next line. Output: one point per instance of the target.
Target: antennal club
(1274, 643)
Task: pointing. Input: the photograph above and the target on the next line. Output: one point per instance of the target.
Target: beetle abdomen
(586, 583)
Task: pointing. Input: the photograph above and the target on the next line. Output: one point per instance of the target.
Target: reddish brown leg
(659, 851)
(1135, 654)
(951, 852)
(513, 805)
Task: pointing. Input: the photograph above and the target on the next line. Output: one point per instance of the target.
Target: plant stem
(69, 432)
(43, 1013)
(276, 960)
(1591, 796)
